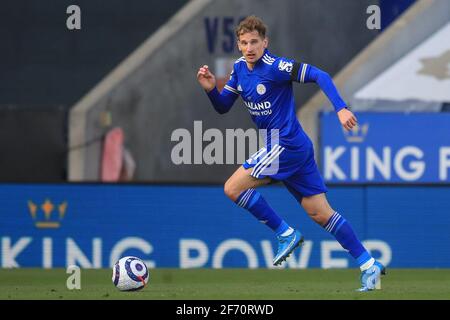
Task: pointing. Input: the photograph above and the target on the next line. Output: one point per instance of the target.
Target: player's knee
(314, 213)
(318, 217)
(230, 190)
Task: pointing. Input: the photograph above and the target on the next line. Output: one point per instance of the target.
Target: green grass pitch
(236, 284)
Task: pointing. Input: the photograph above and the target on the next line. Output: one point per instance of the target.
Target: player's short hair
(249, 24)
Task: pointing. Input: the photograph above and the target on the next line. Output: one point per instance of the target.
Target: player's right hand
(206, 79)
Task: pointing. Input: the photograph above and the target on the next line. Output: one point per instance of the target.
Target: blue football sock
(344, 234)
(254, 202)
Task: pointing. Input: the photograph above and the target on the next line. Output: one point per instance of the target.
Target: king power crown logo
(47, 215)
(357, 134)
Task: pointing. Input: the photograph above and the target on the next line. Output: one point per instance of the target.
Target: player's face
(252, 46)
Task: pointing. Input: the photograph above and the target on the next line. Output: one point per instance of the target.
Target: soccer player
(264, 82)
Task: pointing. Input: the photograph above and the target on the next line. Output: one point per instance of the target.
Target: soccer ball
(130, 274)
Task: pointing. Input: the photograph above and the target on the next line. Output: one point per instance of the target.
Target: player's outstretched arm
(325, 82)
(222, 102)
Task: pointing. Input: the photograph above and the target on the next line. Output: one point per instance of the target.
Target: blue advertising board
(49, 225)
(387, 148)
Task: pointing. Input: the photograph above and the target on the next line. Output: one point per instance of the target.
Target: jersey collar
(266, 51)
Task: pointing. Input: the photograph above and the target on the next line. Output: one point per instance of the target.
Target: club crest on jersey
(285, 66)
(261, 89)
(239, 88)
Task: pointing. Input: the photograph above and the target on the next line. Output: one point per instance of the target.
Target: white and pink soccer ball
(130, 274)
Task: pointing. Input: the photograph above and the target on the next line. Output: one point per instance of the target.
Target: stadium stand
(390, 74)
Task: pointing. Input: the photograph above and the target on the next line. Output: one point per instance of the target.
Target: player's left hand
(347, 118)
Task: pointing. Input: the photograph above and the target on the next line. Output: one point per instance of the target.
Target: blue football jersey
(268, 96)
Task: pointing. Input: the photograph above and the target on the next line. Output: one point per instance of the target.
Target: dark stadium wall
(162, 94)
(33, 144)
(46, 68)
(44, 63)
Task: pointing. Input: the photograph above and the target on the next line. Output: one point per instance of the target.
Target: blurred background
(97, 101)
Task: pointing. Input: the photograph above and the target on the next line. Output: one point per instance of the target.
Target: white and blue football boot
(286, 245)
(371, 278)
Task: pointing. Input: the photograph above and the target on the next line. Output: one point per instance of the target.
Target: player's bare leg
(318, 208)
(240, 181)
